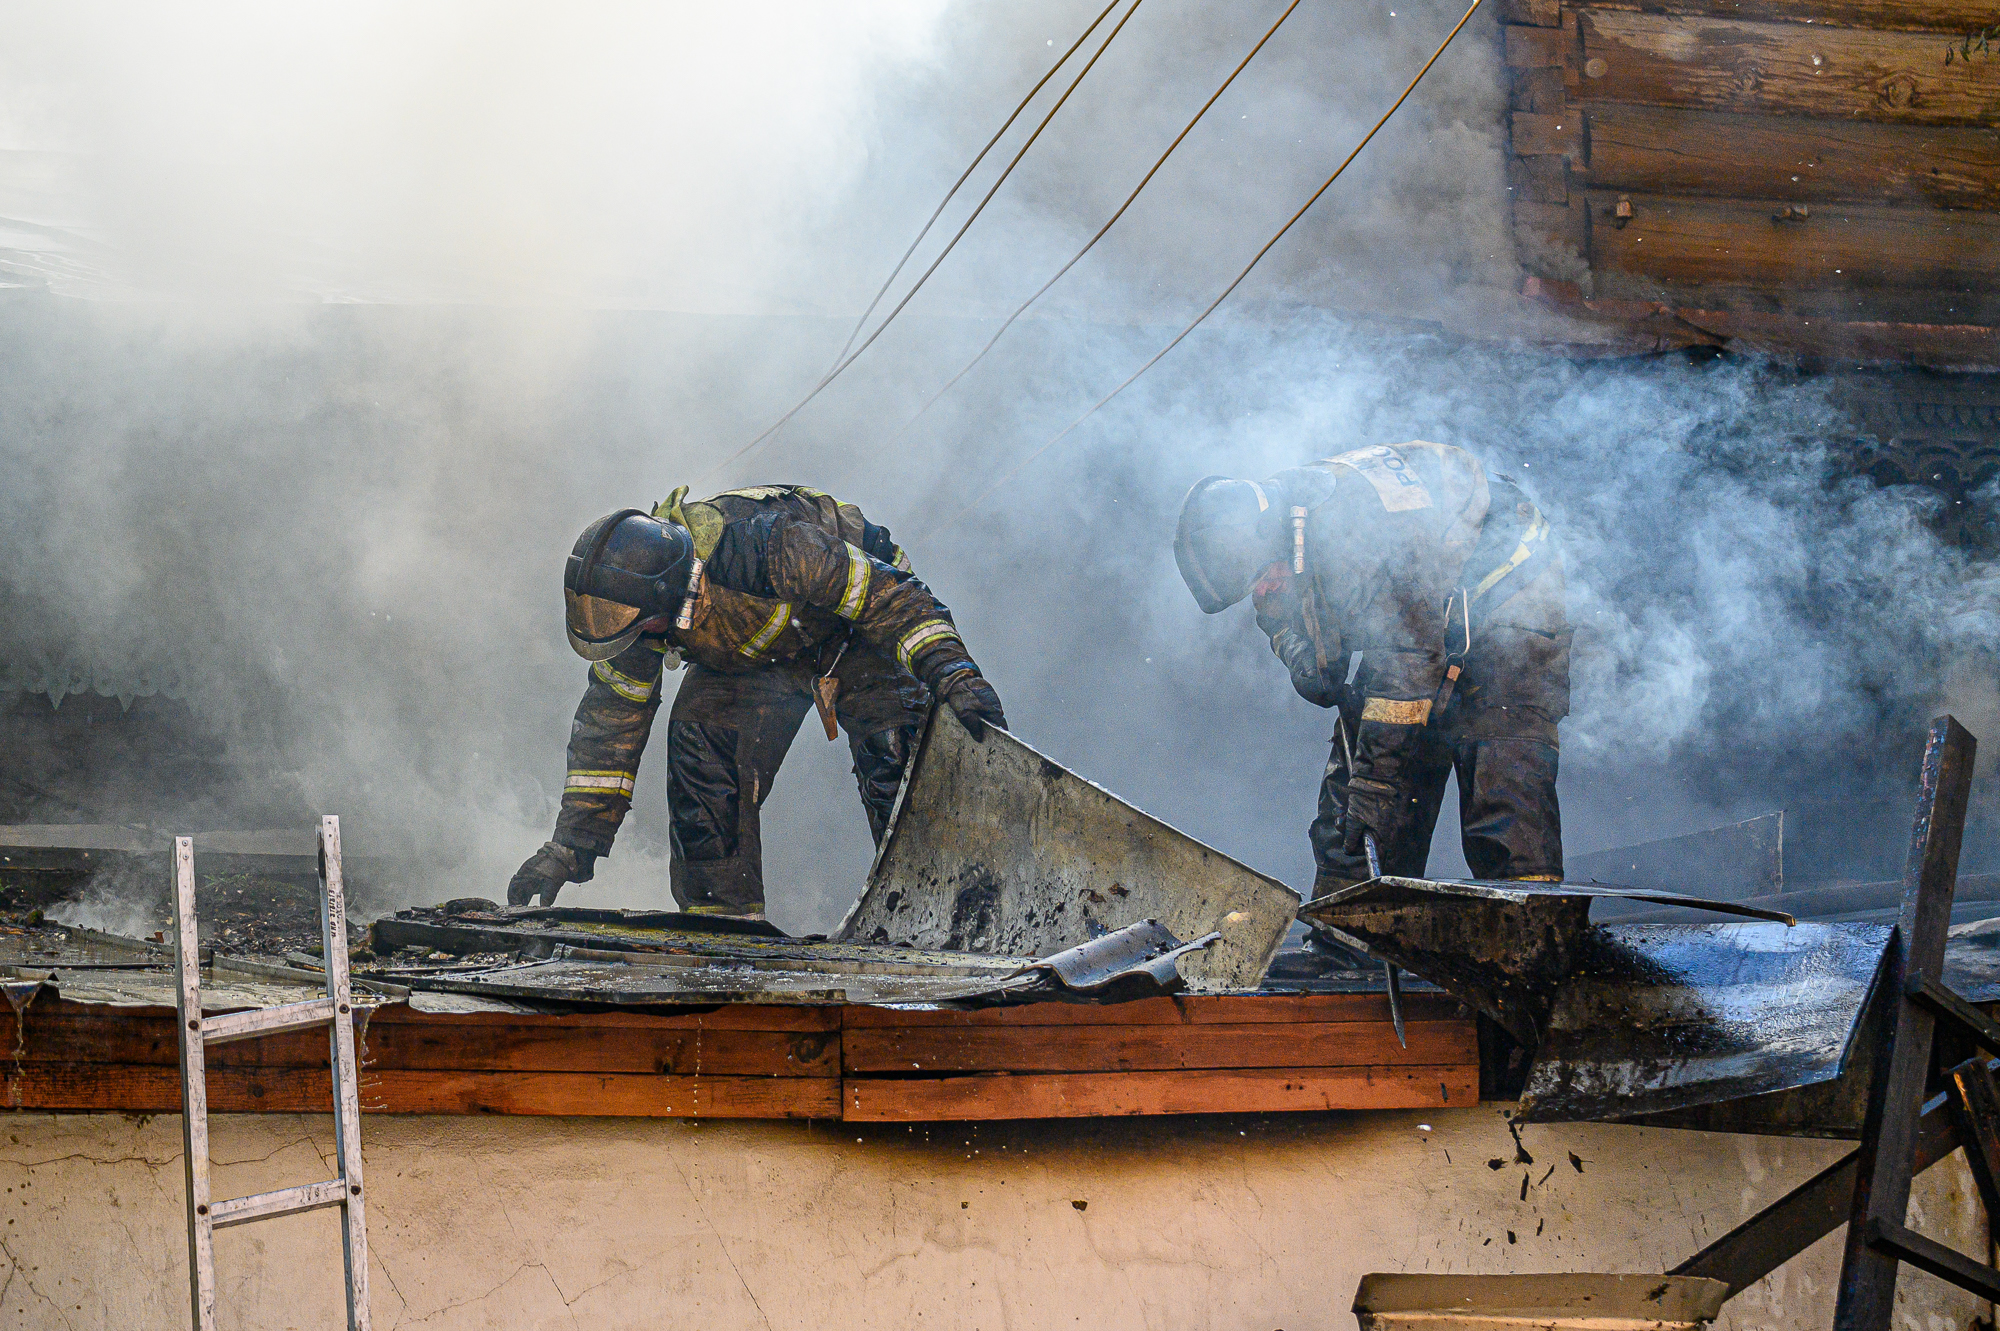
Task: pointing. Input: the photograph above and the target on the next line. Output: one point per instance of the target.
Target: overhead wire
(966, 175)
(1179, 337)
(965, 226)
(1110, 222)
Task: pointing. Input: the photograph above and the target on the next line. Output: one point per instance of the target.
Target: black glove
(1377, 807)
(546, 871)
(974, 702)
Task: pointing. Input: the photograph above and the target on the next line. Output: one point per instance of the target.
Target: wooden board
(1089, 1095)
(1961, 347)
(478, 1042)
(1844, 246)
(1663, 150)
(719, 1064)
(1769, 68)
(1147, 1048)
(1199, 1010)
(156, 1090)
(1943, 16)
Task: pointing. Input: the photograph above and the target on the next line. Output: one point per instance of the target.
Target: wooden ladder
(1909, 1124)
(335, 1010)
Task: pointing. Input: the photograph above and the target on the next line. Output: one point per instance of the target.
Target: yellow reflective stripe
(1397, 712)
(1536, 878)
(622, 684)
(618, 782)
(922, 636)
(901, 562)
(856, 594)
(767, 635)
(1522, 554)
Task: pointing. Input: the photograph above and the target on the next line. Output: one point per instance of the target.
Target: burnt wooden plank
(912, 1050)
(1203, 1009)
(106, 1036)
(156, 1090)
(1848, 246)
(1934, 16)
(1783, 69)
(1088, 1095)
(1668, 150)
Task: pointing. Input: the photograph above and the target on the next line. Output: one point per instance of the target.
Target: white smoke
(358, 315)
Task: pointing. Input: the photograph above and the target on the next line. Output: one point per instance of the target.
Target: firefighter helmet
(1229, 532)
(627, 570)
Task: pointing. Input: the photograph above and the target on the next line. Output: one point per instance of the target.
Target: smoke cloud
(330, 331)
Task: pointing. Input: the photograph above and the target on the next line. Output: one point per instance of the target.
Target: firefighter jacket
(1412, 555)
(787, 578)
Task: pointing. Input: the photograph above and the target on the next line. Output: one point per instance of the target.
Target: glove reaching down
(1377, 808)
(546, 871)
(973, 701)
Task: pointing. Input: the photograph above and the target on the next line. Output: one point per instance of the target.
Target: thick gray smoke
(349, 328)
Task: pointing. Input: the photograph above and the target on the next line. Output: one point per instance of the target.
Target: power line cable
(1113, 221)
(956, 185)
(987, 198)
(1160, 355)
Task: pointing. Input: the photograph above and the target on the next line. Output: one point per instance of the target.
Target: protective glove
(546, 871)
(973, 701)
(1377, 807)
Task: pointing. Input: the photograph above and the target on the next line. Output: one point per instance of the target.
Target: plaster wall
(1243, 1223)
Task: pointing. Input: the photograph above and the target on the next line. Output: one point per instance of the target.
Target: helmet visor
(599, 629)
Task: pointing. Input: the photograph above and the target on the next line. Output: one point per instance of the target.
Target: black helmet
(626, 569)
(1230, 531)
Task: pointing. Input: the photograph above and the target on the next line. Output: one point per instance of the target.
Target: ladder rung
(250, 1024)
(285, 1201)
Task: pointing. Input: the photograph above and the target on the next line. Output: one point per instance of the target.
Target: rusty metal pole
(1896, 1097)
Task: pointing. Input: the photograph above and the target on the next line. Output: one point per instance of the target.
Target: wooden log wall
(1051, 1060)
(1810, 157)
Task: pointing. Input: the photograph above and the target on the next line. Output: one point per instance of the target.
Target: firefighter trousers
(727, 736)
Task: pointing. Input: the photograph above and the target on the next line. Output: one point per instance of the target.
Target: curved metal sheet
(996, 848)
(1658, 1017)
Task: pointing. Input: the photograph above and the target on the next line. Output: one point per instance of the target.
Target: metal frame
(335, 1010)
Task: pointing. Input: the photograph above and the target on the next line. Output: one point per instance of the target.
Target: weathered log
(1684, 241)
(1663, 150)
(1783, 69)
(1949, 16)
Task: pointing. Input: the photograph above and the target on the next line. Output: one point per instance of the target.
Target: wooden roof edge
(1966, 348)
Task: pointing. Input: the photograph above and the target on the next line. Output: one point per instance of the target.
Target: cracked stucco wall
(1249, 1224)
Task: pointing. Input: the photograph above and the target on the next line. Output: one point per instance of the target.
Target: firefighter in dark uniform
(1445, 581)
(780, 599)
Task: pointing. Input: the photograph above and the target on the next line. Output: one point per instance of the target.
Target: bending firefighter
(1443, 581)
(780, 599)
